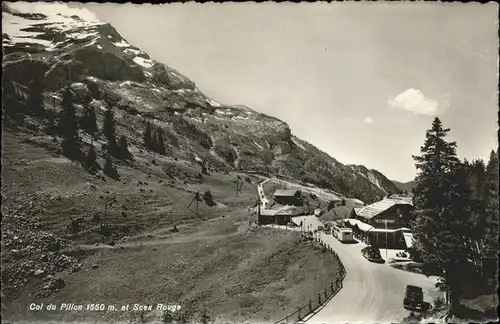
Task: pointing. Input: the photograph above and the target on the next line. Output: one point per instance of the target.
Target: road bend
(371, 292)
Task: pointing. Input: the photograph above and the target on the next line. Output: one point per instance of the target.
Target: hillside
(376, 178)
(102, 66)
(67, 232)
(405, 186)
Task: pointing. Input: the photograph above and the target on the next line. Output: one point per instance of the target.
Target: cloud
(415, 101)
(52, 8)
(368, 120)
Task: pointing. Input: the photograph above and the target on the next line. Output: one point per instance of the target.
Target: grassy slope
(222, 265)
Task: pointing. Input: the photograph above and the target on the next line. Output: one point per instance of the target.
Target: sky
(361, 81)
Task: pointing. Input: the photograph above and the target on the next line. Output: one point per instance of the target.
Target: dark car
(372, 253)
(414, 298)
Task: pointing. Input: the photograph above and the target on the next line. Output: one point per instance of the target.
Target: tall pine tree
(68, 126)
(88, 121)
(148, 136)
(109, 131)
(123, 148)
(441, 201)
(477, 181)
(91, 160)
(109, 169)
(159, 143)
(491, 205)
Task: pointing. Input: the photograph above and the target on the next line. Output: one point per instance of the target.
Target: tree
(88, 121)
(35, 100)
(68, 126)
(476, 183)
(331, 205)
(491, 205)
(110, 169)
(109, 131)
(441, 209)
(148, 136)
(159, 143)
(123, 148)
(91, 160)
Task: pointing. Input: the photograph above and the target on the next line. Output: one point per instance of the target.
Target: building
(357, 202)
(384, 223)
(276, 216)
(290, 197)
(335, 201)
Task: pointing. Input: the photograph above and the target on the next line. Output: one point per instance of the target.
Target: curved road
(371, 292)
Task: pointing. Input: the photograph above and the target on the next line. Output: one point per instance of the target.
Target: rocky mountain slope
(102, 66)
(377, 179)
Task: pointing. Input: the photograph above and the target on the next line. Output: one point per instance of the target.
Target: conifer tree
(123, 147)
(89, 120)
(159, 144)
(109, 169)
(441, 208)
(148, 136)
(68, 126)
(35, 100)
(491, 205)
(477, 182)
(91, 160)
(109, 131)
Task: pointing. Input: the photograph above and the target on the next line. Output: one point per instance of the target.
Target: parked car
(414, 298)
(327, 230)
(372, 253)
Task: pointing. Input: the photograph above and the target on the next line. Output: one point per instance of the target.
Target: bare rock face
(100, 64)
(108, 66)
(61, 71)
(172, 80)
(24, 70)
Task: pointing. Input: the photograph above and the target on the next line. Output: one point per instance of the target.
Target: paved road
(260, 188)
(371, 292)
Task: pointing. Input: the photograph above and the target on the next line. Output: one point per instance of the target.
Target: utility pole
(197, 201)
(102, 221)
(237, 184)
(197, 198)
(385, 238)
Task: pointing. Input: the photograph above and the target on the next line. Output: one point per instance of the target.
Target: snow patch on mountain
(223, 112)
(213, 103)
(121, 43)
(143, 62)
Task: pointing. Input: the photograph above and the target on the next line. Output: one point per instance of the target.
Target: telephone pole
(385, 238)
(197, 199)
(237, 184)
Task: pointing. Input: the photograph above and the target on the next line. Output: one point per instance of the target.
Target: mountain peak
(70, 46)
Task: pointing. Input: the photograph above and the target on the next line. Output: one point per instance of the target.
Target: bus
(343, 234)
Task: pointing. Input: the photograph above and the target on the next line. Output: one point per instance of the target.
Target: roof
(286, 192)
(408, 239)
(357, 201)
(374, 209)
(362, 226)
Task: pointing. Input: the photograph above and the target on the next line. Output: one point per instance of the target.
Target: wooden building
(290, 197)
(384, 223)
